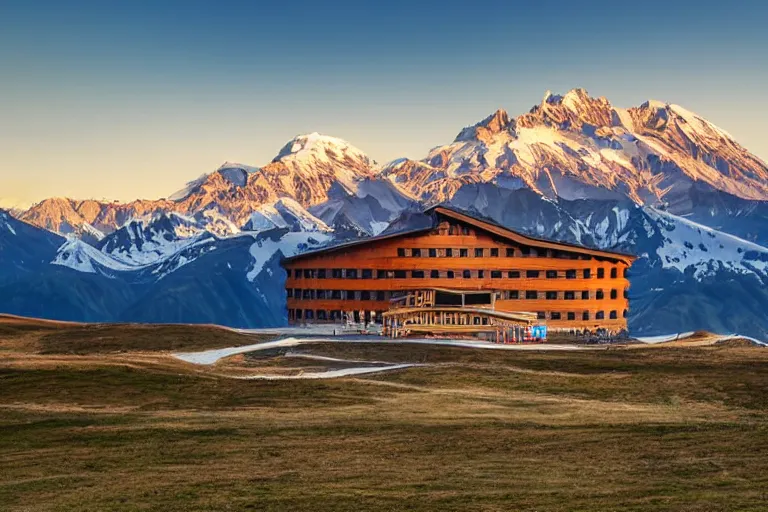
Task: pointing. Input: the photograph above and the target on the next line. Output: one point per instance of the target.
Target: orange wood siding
(382, 255)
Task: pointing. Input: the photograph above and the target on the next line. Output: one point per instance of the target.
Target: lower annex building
(462, 274)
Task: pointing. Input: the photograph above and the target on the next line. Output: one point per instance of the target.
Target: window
(614, 294)
(551, 295)
(322, 315)
(585, 315)
(381, 274)
(309, 314)
(466, 274)
(541, 253)
(613, 315)
(433, 253)
(449, 253)
(297, 273)
(513, 294)
(367, 273)
(298, 313)
(587, 273)
(336, 294)
(541, 315)
(600, 273)
(321, 273)
(614, 273)
(434, 274)
(380, 295)
(626, 294)
(626, 272)
(401, 252)
(417, 274)
(571, 315)
(365, 295)
(320, 294)
(464, 230)
(416, 253)
(532, 273)
(481, 274)
(449, 274)
(399, 274)
(599, 295)
(624, 314)
(463, 253)
(306, 294)
(551, 274)
(513, 274)
(494, 252)
(569, 295)
(308, 273)
(600, 315)
(350, 295)
(554, 315)
(336, 273)
(478, 252)
(526, 251)
(510, 252)
(289, 292)
(531, 294)
(585, 295)
(570, 274)
(495, 274)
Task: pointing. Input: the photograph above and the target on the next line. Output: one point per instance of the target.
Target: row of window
(336, 314)
(299, 293)
(485, 252)
(367, 273)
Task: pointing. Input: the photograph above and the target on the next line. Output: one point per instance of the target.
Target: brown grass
(617, 429)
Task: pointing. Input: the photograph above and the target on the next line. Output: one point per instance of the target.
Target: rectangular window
(541, 315)
(532, 274)
(551, 295)
(510, 252)
(569, 295)
(463, 253)
(600, 315)
(399, 274)
(614, 273)
(320, 294)
(289, 293)
(350, 295)
(401, 252)
(551, 274)
(298, 313)
(614, 294)
(417, 274)
(321, 273)
(599, 295)
(365, 295)
(478, 252)
(626, 272)
(464, 230)
(571, 315)
(381, 274)
(585, 315)
(336, 294)
(495, 274)
(513, 294)
(449, 253)
(570, 274)
(449, 274)
(600, 273)
(367, 273)
(481, 274)
(466, 274)
(585, 295)
(587, 273)
(626, 294)
(526, 251)
(434, 274)
(541, 253)
(351, 273)
(513, 274)
(554, 315)
(308, 273)
(531, 294)
(494, 252)
(297, 273)
(336, 273)
(416, 253)
(613, 315)
(306, 294)
(380, 295)
(433, 253)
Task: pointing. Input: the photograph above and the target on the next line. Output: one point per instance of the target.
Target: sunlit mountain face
(656, 180)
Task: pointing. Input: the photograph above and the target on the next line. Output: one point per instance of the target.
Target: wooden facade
(565, 286)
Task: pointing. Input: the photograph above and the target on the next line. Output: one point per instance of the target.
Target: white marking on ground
(345, 372)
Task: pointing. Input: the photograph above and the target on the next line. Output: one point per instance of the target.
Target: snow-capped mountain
(578, 147)
(284, 213)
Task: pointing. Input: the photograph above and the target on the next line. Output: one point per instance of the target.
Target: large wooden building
(461, 274)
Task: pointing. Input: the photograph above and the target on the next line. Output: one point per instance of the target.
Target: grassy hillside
(102, 418)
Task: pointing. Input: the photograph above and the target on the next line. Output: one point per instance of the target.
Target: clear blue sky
(132, 99)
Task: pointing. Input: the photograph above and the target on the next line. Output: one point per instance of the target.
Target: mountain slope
(24, 249)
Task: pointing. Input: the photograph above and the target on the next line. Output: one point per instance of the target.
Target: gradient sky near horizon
(132, 99)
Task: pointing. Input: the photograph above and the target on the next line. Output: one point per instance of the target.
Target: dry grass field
(104, 418)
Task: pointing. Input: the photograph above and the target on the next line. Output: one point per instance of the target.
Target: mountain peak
(316, 145)
(495, 123)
